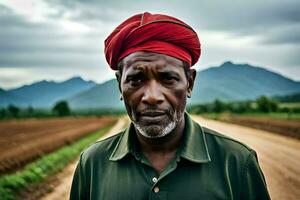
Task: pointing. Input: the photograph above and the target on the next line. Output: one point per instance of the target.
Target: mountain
(6, 98)
(44, 94)
(105, 95)
(230, 82)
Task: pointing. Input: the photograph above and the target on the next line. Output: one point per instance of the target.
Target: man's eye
(170, 79)
(136, 80)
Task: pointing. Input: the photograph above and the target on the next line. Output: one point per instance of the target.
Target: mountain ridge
(227, 82)
(44, 93)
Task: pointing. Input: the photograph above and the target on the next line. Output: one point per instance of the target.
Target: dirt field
(25, 140)
(281, 126)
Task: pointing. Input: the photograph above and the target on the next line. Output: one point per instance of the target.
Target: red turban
(154, 33)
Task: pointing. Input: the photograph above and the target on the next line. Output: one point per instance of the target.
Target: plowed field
(289, 128)
(25, 140)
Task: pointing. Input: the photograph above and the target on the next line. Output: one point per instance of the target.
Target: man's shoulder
(102, 148)
(223, 144)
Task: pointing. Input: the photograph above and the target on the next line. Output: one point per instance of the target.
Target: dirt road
(279, 158)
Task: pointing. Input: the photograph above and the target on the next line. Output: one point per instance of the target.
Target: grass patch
(275, 115)
(214, 116)
(44, 167)
(289, 105)
(283, 116)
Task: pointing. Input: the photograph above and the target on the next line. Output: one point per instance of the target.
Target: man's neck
(160, 151)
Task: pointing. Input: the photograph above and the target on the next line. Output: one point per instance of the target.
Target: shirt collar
(193, 146)
(124, 145)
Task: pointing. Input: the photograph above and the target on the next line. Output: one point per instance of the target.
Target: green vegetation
(289, 105)
(30, 112)
(44, 167)
(266, 105)
(278, 115)
(14, 112)
(61, 108)
(261, 107)
(284, 116)
(289, 98)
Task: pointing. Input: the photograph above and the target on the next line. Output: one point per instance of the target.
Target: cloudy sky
(59, 39)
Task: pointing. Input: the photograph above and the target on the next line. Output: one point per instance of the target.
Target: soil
(23, 141)
(285, 127)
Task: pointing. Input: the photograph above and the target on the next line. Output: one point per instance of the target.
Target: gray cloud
(288, 34)
(237, 17)
(27, 44)
(35, 44)
(90, 12)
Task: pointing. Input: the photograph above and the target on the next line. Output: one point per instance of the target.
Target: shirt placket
(158, 192)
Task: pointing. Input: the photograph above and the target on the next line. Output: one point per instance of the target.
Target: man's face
(154, 88)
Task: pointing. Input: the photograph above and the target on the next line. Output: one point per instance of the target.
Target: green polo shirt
(208, 166)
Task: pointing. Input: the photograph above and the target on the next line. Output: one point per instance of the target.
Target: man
(163, 154)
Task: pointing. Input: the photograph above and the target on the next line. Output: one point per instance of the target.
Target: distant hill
(228, 82)
(7, 98)
(105, 95)
(44, 94)
(240, 82)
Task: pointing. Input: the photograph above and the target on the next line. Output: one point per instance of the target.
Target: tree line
(261, 105)
(60, 109)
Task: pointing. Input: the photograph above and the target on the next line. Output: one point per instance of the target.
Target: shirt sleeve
(78, 189)
(254, 186)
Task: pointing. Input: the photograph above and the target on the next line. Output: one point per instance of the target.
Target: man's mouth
(153, 116)
(151, 113)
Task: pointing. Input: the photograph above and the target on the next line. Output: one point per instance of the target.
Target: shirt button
(156, 189)
(154, 179)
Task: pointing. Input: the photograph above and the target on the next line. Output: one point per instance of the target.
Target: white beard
(165, 130)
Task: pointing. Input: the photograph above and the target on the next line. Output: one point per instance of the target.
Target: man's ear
(119, 76)
(191, 81)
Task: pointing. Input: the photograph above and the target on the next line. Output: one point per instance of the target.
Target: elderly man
(163, 154)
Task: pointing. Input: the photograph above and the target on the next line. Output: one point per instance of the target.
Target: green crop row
(44, 167)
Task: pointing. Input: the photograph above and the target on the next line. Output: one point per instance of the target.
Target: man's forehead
(142, 60)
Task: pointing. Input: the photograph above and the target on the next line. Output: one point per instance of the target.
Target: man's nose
(153, 93)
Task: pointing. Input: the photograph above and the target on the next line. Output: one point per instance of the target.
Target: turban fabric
(153, 33)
